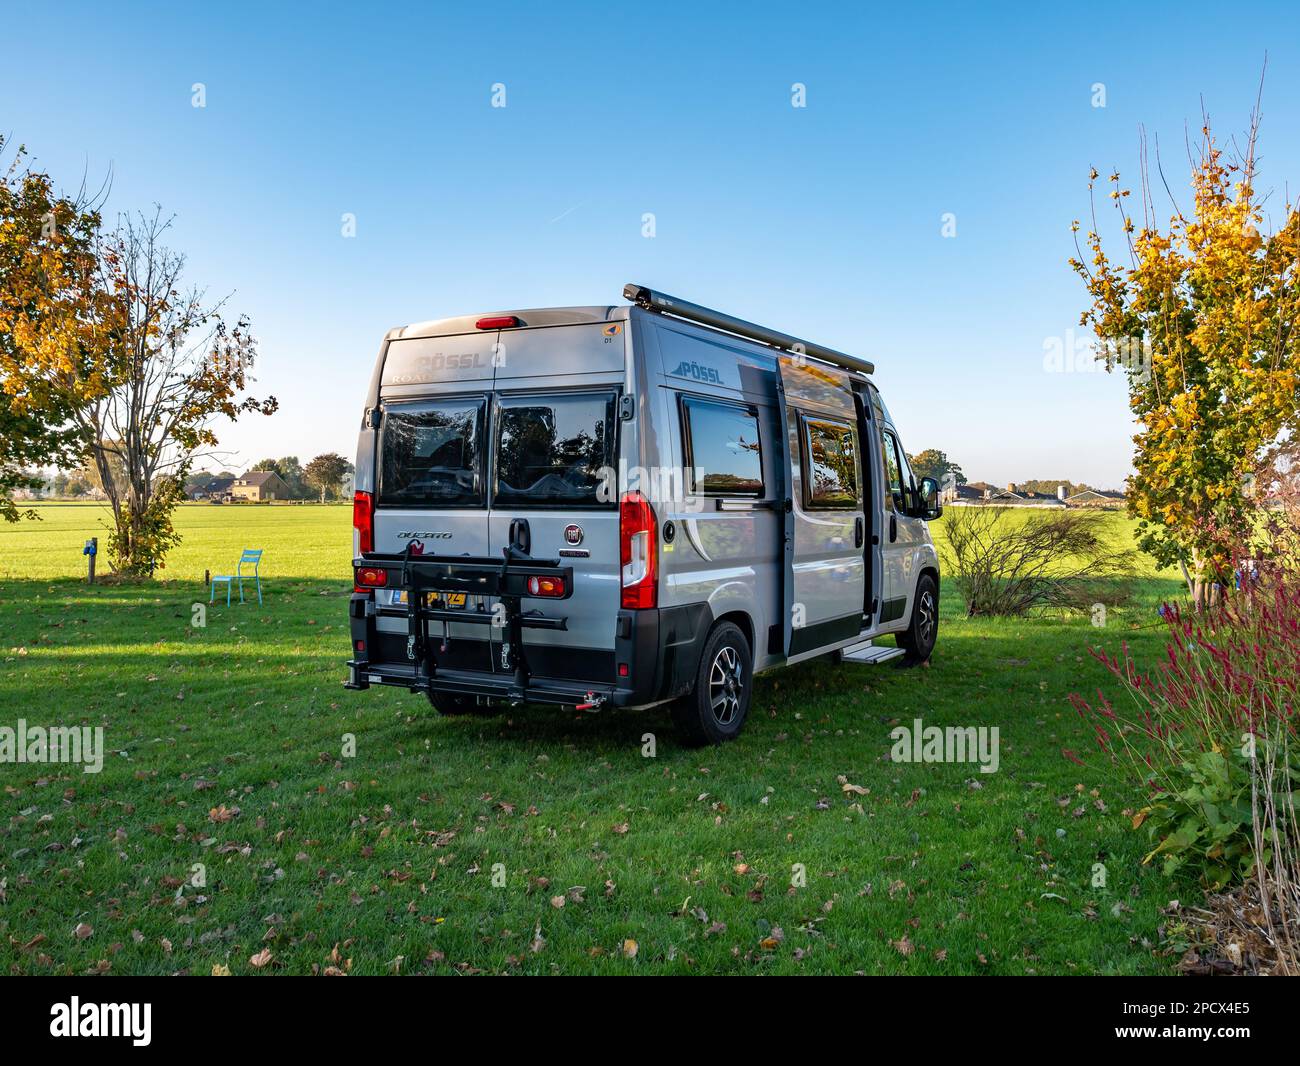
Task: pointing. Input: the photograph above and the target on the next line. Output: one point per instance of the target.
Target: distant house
(258, 486)
(964, 494)
(970, 494)
(216, 489)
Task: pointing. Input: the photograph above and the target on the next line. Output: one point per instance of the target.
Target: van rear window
(555, 449)
(432, 454)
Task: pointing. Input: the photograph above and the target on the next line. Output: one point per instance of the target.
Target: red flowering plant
(1212, 732)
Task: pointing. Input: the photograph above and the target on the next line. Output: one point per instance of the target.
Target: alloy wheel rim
(925, 621)
(726, 685)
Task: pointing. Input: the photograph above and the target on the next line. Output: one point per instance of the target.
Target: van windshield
(554, 449)
(432, 454)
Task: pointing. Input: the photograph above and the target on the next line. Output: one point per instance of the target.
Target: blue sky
(823, 221)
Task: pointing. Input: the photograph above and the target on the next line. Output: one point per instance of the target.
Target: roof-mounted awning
(671, 305)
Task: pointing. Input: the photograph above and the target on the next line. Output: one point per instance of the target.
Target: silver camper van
(629, 506)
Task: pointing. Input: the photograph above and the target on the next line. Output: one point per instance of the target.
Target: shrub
(1006, 561)
(1212, 734)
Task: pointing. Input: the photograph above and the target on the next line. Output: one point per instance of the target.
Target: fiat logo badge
(573, 534)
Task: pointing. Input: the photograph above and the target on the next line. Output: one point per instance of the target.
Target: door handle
(857, 532)
(893, 528)
(520, 535)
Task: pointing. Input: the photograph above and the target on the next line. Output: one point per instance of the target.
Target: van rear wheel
(919, 638)
(716, 709)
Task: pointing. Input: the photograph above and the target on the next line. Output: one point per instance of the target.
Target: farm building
(982, 493)
(1096, 498)
(1014, 497)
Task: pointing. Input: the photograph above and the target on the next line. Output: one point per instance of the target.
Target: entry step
(866, 652)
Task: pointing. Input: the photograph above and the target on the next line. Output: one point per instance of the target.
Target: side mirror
(929, 493)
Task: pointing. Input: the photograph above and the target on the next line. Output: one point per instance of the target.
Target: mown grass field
(226, 749)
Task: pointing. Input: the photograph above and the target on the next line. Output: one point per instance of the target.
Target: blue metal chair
(249, 556)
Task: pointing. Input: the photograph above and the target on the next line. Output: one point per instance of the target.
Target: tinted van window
(898, 472)
(723, 457)
(432, 454)
(893, 470)
(832, 464)
(555, 449)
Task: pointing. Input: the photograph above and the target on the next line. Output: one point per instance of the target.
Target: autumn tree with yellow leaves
(1201, 317)
(47, 265)
(105, 349)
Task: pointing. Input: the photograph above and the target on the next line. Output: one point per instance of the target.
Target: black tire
(716, 708)
(453, 704)
(919, 638)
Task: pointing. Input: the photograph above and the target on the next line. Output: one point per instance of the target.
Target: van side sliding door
(828, 566)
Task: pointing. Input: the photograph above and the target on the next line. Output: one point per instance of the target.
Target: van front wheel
(716, 709)
(919, 639)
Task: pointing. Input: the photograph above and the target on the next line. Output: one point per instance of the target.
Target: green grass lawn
(226, 748)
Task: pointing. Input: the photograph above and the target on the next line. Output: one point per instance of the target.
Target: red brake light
(363, 523)
(498, 322)
(371, 577)
(638, 551)
(546, 586)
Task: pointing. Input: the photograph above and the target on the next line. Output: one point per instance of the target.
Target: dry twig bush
(1004, 561)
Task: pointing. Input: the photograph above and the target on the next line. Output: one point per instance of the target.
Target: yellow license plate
(451, 599)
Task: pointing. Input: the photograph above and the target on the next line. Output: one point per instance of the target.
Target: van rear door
(554, 481)
(432, 466)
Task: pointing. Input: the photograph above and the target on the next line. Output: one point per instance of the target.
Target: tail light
(363, 523)
(546, 586)
(371, 577)
(498, 322)
(638, 554)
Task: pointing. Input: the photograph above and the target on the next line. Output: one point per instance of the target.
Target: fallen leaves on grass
(849, 788)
